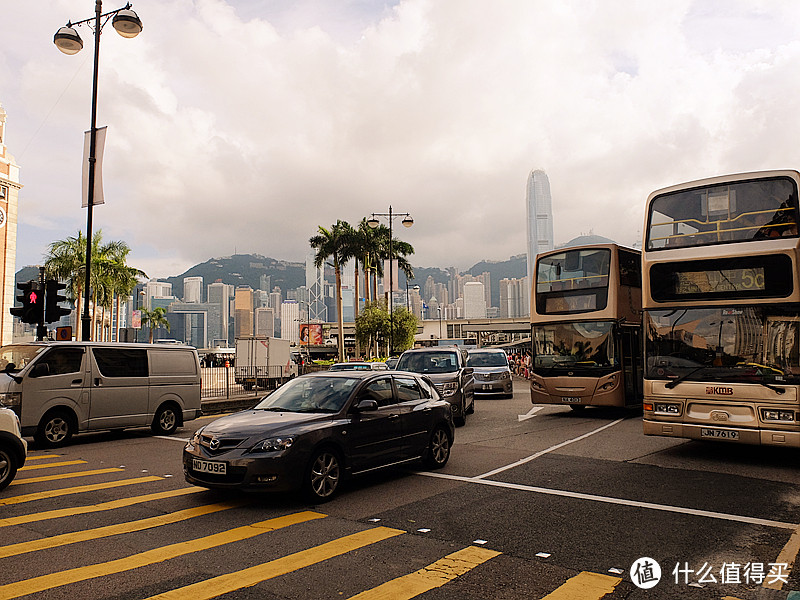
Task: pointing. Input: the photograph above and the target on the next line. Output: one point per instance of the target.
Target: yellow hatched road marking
(787, 556)
(75, 490)
(64, 476)
(585, 586)
(53, 580)
(117, 529)
(216, 586)
(41, 456)
(66, 463)
(433, 576)
(82, 510)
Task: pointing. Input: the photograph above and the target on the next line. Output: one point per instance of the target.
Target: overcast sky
(239, 126)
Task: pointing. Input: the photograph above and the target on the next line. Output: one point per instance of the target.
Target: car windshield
(746, 344)
(310, 394)
(487, 359)
(16, 357)
(429, 362)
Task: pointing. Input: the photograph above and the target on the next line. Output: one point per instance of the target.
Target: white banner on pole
(100, 143)
(395, 278)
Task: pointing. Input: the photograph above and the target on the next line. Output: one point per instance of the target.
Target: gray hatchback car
(319, 429)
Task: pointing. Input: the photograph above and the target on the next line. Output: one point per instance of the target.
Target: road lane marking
(116, 529)
(223, 584)
(611, 500)
(76, 490)
(135, 561)
(66, 463)
(787, 556)
(82, 510)
(586, 586)
(169, 437)
(427, 578)
(65, 476)
(41, 456)
(550, 449)
(531, 413)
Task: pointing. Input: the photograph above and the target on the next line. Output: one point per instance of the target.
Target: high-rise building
(9, 198)
(265, 322)
(539, 208)
(155, 289)
(220, 294)
(243, 314)
(192, 289)
(290, 321)
(315, 283)
(474, 300)
(514, 298)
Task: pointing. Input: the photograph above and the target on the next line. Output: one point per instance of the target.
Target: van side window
(121, 362)
(63, 360)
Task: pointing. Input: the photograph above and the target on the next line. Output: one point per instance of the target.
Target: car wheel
(438, 451)
(8, 466)
(323, 475)
(461, 419)
(471, 408)
(166, 421)
(55, 429)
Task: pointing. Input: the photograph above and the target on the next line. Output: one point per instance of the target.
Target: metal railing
(237, 382)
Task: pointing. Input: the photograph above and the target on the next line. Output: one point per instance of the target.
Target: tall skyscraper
(290, 321)
(156, 289)
(539, 207)
(9, 195)
(243, 315)
(192, 289)
(220, 294)
(315, 282)
(474, 300)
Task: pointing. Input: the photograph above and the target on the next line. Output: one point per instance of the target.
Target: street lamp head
(408, 221)
(127, 23)
(373, 222)
(67, 40)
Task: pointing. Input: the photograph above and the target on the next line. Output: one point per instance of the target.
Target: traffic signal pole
(41, 328)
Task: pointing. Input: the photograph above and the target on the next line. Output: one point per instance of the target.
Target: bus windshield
(573, 281)
(581, 346)
(745, 344)
(735, 212)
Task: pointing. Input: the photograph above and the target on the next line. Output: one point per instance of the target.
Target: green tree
(154, 319)
(405, 329)
(334, 243)
(372, 327)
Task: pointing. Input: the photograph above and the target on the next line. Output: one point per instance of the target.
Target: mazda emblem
(214, 444)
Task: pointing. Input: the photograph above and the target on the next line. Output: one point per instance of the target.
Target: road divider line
(116, 529)
(550, 449)
(75, 490)
(621, 501)
(223, 584)
(586, 586)
(66, 463)
(41, 456)
(83, 510)
(143, 559)
(433, 576)
(65, 476)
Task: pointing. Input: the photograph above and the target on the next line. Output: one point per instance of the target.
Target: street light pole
(66, 39)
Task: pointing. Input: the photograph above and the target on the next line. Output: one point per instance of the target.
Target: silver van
(61, 388)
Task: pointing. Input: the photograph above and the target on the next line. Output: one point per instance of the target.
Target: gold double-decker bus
(722, 310)
(586, 316)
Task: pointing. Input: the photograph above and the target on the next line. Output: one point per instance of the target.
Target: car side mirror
(366, 405)
(469, 370)
(40, 370)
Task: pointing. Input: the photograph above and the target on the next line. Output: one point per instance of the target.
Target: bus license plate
(570, 399)
(206, 466)
(720, 434)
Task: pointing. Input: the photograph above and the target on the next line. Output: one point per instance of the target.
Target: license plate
(720, 434)
(206, 466)
(570, 399)
(487, 386)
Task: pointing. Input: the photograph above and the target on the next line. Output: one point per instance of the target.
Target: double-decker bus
(586, 316)
(722, 310)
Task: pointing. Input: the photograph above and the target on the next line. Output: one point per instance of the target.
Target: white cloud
(232, 128)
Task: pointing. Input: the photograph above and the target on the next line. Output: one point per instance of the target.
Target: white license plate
(487, 386)
(721, 434)
(206, 466)
(570, 399)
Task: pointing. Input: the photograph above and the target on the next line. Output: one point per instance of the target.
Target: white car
(13, 449)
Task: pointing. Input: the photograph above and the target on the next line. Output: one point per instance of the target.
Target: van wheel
(166, 421)
(8, 466)
(55, 429)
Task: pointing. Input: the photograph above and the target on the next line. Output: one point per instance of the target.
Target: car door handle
(77, 381)
(97, 381)
(394, 416)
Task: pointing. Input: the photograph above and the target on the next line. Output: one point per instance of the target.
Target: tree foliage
(375, 327)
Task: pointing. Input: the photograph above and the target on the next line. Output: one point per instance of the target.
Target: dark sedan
(319, 429)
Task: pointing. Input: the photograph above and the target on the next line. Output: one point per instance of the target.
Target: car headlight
(10, 399)
(505, 375)
(448, 389)
(194, 440)
(273, 444)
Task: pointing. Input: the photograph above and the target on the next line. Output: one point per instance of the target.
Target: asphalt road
(535, 502)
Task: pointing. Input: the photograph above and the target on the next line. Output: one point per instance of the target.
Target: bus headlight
(666, 408)
(771, 414)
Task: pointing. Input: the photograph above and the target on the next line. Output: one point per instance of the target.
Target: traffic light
(32, 301)
(52, 311)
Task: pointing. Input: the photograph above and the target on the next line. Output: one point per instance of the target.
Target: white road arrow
(531, 413)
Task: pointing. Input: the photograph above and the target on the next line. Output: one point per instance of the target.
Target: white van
(60, 388)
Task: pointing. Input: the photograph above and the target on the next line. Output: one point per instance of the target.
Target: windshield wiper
(774, 388)
(684, 377)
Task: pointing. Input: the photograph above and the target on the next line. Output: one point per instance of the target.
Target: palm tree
(334, 243)
(154, 319)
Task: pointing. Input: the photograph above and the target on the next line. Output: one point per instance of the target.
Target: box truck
(263, 362)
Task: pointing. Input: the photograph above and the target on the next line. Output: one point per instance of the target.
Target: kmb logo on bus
(719, 390)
